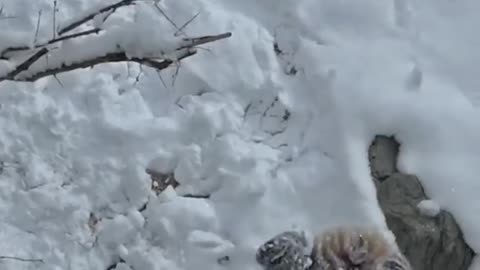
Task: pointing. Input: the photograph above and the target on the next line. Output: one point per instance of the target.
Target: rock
(430, 243)
(383, 157)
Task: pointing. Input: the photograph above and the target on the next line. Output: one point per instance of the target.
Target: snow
(428, 208)
(164, 162)
(207, 246)
(117, 231)
(84, 12)
(275, 149)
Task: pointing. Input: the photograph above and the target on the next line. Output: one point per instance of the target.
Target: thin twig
(38, 26)
(196, 196)
(54, 30)
(89, 17)
(116, 56)
(105, 18)
(79, 34)
(204, 49)
(180, 30)
(166, 17)
(58, 80)
(161, 79)
(140, 72)
(174, 77)
(20, 259)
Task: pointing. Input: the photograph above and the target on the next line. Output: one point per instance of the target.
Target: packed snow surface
(428, 208)
(273, 123)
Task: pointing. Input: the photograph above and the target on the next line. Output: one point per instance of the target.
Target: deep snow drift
(279, 141)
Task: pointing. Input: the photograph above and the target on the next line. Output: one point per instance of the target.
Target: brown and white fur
(356, 249)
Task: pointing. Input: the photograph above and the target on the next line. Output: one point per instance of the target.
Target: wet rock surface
(428, 242)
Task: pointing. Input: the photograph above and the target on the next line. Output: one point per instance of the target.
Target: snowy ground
(279, 142)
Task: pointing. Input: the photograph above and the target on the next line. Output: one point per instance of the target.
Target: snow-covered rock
(430, 237)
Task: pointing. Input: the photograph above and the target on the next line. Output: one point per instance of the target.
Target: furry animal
(356, 249)
(285, 251)
(341, 248)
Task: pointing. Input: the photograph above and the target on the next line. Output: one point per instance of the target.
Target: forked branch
(30, 70)
(88, 17)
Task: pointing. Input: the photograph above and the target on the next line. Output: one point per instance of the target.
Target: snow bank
(277, 141)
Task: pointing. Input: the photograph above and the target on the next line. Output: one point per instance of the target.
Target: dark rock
(430, 243)
(383, 157)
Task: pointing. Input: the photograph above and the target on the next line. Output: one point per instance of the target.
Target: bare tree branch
(166, 17)
(4, 54)
(192, 42)
(27, 71)
(69, 27)
(180, 30)
(108, 58)
(79, 34)
(20, 259)
(25, 65)
(196, 196)
(89, 17)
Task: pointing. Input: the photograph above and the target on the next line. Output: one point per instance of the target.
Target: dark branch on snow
(89, 17)
(108, 58)
(20, 259)
(25, 65)
(52, 41)
(22, 72)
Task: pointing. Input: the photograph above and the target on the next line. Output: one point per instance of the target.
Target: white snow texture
(428, 208)
(278, 141)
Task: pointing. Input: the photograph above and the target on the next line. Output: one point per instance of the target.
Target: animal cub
(340, 248)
